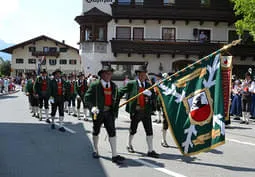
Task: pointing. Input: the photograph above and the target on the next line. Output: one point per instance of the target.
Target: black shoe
(37, 116)
(33, 115)
(62, 129)
(242, 122)
(153, 154)
(164, 144)
(159, 121)
(155, 121)
(52, 126)
(74, 115)
(86, 119)
(130, 149)
(48, 121)
(118, 159)
(95, 155)
(247, 123)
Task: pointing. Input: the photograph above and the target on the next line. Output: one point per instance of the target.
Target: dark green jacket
(132, 89)
(38, 85)
(68, 89)
(78, 87)
(95, 96)
(54, 88)
(30, 86)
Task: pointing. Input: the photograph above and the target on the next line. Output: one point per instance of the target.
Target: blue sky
(21, 20)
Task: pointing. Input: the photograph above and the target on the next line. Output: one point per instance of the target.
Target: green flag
(193, 105)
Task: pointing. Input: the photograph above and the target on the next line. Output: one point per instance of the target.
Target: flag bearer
(42, 91)
(140, 109)
(102, 96)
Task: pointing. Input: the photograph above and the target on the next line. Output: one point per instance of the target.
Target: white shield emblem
(199, 107)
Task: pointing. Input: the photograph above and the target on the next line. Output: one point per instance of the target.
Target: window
(63, 62)
(123, 32)
(19, 60)
(72, 62)
(168, 33)
(52, 49)
(205, 3)
(31, 49)
(169, 2)
(138, 33)
(124, 2)
(63, 49)
(31, 61)
(88, 33)
(95, 32)
(52, 61)
(123, 69)
(100, 33)
(45, 49)
(138, 2)
(204, 35)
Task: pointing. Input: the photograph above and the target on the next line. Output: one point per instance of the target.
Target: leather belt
(139, 108)
(107, 108)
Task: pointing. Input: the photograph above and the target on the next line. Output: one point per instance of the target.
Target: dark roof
(42, 37)
(93, 15)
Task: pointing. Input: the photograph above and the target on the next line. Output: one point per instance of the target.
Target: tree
(5, 68)
(246, 10)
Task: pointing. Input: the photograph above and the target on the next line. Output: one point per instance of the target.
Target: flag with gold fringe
(194, 106)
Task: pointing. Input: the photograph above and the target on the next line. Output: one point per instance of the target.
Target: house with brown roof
(27, 55)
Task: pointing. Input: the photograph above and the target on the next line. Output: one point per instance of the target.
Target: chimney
(63, 41)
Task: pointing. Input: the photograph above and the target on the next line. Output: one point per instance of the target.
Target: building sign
(98, 1)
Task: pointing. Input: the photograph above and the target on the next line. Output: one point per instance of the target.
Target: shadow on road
(34, 150)
(232, 168)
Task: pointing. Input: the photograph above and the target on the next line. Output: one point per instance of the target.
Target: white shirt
(140, 83)
(104, 83)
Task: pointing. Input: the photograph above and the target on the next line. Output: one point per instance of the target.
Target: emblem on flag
(199, 107)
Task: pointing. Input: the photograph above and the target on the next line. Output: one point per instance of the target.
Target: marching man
(140, 109)
(42, 91)
(71, 94)
(81, 88)
(57, 92)
(31, 96)
(102, 96)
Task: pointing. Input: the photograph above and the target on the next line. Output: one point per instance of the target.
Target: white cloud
(8, 7)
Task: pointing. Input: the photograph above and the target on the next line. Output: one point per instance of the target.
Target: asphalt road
(29, 148)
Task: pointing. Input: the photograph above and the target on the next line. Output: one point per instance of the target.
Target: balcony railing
(177, 46)
(42, 53)
(172, 12)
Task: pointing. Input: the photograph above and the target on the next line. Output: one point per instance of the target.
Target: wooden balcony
(183, 47)
(42, 53)
(174, 13)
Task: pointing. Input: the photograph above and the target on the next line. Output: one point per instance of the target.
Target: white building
(164, 33)
(26, 56)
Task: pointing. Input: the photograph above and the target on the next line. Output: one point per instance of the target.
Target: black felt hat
(105, 68)
(44, 71)
(56, 71)
(141, 68)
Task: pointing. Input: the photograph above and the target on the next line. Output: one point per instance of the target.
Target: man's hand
(94, 110)
(147, 92)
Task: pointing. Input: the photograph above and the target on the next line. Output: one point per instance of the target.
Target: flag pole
(225, 47)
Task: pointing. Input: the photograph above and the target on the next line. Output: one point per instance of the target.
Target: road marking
(67, 129)
(241, 142)
(163, 170)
